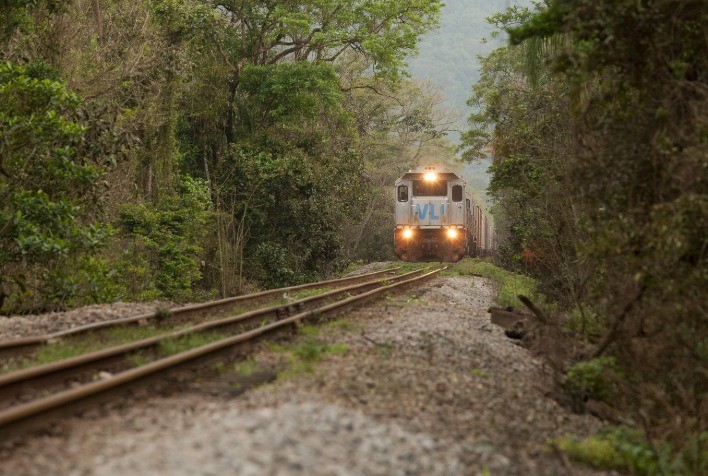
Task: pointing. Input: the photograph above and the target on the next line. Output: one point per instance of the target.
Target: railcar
(436, 220)
(482, 237)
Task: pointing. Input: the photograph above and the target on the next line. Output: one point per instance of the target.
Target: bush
(627, 450)
(275, 269)
(594, 379)
(47, 194)
(286, 211)
(598, 177)
(165, 243)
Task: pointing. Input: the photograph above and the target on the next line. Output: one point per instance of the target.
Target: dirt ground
(421, 383)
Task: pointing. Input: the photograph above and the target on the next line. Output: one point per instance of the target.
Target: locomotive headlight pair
(430, 177)
(451, 233)
(407, 233)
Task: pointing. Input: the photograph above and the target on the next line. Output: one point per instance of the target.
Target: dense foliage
(172, 149)
(162, 248)
(47, 190)
(183, 149)
(597, 114)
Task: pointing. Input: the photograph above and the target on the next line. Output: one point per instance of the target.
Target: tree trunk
(96, 4)
(230, 113)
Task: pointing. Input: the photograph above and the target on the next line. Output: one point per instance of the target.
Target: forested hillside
(186, 149)
(448, 58)
(448, 55)
(597, 113)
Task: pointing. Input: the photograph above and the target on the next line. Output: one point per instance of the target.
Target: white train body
(436, 220)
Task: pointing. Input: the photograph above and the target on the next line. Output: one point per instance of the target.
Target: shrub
(47, 194)
(591, 379)
(274, 263)
(624, 449)
(165, 240)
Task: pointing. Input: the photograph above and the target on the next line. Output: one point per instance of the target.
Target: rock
(411, 410)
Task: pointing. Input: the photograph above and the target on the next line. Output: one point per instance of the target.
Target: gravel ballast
(14, 327)
(308, 438)
(427, 386)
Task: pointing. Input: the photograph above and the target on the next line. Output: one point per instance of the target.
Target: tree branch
(611, 334)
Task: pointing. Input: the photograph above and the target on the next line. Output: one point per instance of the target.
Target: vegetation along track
(32, 396)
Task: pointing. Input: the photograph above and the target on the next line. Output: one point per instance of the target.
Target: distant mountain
(448, 55)
(449, 59)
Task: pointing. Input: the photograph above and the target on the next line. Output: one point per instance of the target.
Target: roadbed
(422, 384)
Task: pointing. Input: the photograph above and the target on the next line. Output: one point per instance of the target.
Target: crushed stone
(428, 386)
(14, 327)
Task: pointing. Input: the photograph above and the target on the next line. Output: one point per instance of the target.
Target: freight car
(482, 239)
(436, 220)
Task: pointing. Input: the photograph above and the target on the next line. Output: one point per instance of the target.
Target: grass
(479, 373)
(305, 351)
(312, 350)
(288, 298)
(407, 267)
(308, 330)
(353, 266)
(595, 378)
(140, 358)
(385, 349)
(343, 324)
(624, 449)
(303, 355)
(510, 284)
(173, 346)
(68, 347)
(246, 368)
(276, 347)
(402, 300)
(51, 353)
(306, 293)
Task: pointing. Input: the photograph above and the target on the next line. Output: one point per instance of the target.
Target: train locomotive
(436, 220)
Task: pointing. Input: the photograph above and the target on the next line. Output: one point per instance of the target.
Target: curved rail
(182, 311)
(33, 374)
(27, 412)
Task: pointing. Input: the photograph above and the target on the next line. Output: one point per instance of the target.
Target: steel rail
(184, 311)
(38, 407)
(99, 356)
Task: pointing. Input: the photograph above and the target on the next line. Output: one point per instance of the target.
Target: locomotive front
(430, 216)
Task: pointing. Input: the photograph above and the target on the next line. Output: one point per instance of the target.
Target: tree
(266, 32)
(17, 14)
(247, 95)
(625, 175)
(284, 101)
(46, 190)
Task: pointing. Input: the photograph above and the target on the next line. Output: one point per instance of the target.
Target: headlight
(407, 233)
(430, 177)
(451, 233)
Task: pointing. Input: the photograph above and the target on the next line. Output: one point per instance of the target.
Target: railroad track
(35, 396)
(25, 346)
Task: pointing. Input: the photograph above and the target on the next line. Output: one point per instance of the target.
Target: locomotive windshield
(437, 188)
